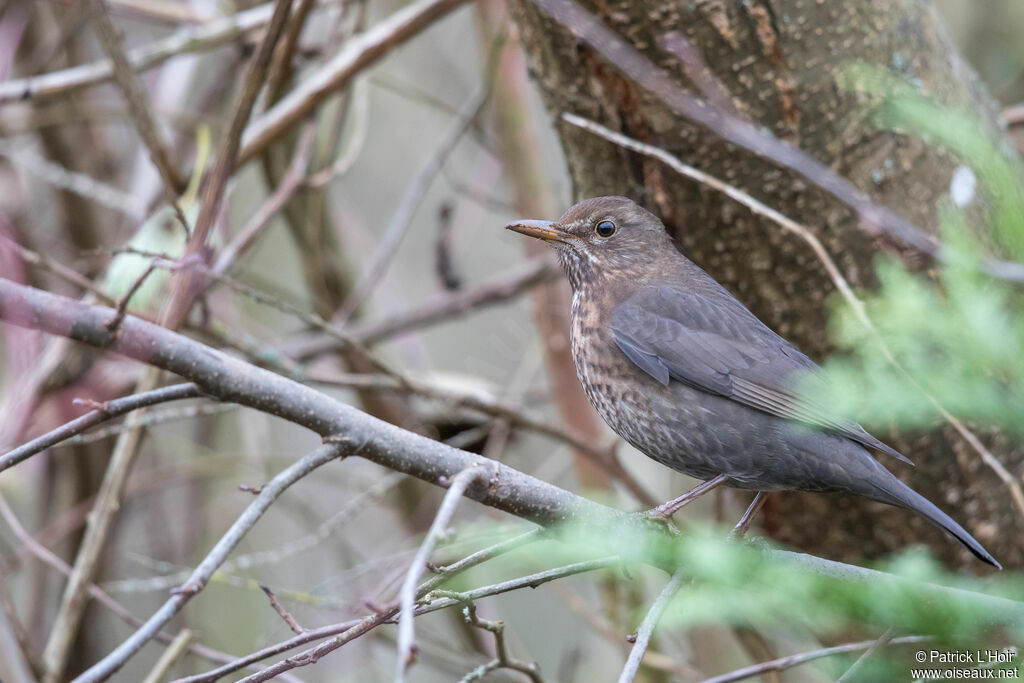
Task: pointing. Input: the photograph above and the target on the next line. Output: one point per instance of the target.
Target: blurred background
(408, 175)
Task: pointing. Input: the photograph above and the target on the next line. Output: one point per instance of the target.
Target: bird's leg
(665, 511)
(755, 506)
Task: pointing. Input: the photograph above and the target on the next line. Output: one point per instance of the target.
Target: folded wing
(691, 337)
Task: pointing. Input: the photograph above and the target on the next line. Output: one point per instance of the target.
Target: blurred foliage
(958, 335)
(739, 582)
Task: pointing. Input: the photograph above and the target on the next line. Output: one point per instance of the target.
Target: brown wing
(712, 343)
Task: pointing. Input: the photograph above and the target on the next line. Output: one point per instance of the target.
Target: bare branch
(440, 575)
(432, 602)
(59, 269)
(138, 104)
(186, 40)
(502, 661)
(199, 578)
(187, 288)
(881, 642)
(358, 53)
(106, 411)
(169, 657)
(292, 180)
(788, 662)
(440, 309)
(151, 419)
(459, 484)
(285, 615)
(99, 522)
(643, 634)
(40, 552)
(401, 219)
(228, 152)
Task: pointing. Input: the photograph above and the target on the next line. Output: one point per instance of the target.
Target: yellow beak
(542, 230)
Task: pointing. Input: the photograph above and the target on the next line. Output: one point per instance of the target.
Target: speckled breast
(639, 409)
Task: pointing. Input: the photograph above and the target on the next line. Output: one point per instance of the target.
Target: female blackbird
(686, 374)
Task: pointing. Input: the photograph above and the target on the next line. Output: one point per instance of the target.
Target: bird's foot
(740, 530)
(660, 516)
(664, 512)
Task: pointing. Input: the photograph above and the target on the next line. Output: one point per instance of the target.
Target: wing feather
(708, 340)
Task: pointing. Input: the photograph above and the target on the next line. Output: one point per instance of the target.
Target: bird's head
(602, 237)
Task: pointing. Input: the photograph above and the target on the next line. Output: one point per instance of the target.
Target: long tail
(894, 492)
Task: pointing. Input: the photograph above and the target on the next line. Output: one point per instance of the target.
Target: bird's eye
(605, 229)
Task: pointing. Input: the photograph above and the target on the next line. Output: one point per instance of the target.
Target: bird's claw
(659, 516)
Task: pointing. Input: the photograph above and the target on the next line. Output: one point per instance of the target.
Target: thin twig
(440, 575)
(358, 53)
(874, 219)
(643, 634)
(402, 218)
(97, 530)
(790, 661)
(881, 642)
(760, 209)
(360, 109)
(449, 305)
(14, 642)
(44, 555)
(190, 39)
(186, 289)
(293, 179)
(277, 554)
(502, 660)
(459, 483)
(59, 269)
(138, 104)
(280, 69)
(698, 72)
(199, 578)
(432, 602)
(285, 615)
(169, 657)
(74, 181)
(227, 154)
(151, 419)
(108, 411)
(122, 304)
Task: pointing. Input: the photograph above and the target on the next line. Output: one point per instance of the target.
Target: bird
(685, 373)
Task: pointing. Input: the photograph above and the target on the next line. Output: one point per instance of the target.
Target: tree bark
(779, 60)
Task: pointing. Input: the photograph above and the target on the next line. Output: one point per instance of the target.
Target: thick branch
(355, 433)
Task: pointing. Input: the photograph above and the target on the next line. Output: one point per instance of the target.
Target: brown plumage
(681, 370)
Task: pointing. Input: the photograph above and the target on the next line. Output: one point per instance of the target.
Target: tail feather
(895, 492)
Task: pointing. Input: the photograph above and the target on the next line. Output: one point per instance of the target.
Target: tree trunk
(779, 61)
